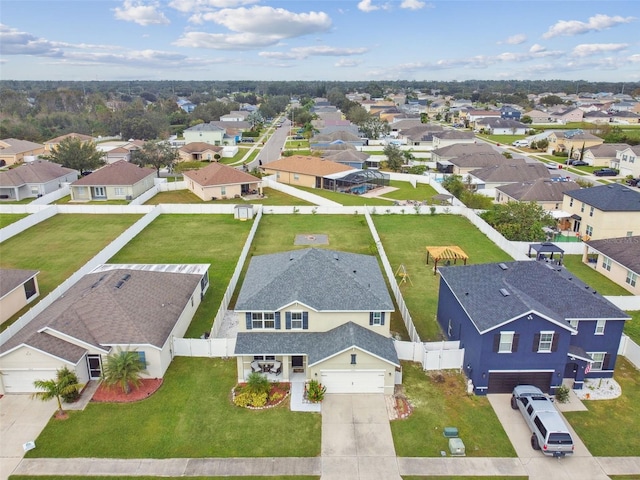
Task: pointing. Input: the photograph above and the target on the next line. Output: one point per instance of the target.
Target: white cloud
(575, 27)
(300, 53)
(14, 42)
(188, 6)
(516, 39)
(537, 48)
(346, 63)
(412, 4)
(367, 6)
(588, 49)
(137, 12)
(634, 58)
(219, 41)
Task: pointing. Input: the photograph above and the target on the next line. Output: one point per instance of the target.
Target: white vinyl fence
(210, 347)
(27, 222)
(432, 355)
(630, 350)
(629, 303)
(53, 196)
(271, 182)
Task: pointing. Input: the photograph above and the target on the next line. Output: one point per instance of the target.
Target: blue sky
(319, 40)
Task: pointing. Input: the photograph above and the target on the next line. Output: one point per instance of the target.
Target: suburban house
(115, 181)
(467, 162)
(18, 288)
(603, 155)
(449, 137)
(567, 115)
(538, 116)
(625, 118)
(186, 105)
(545, 192)
(199, 152)
(34, 179)
(605, 211)
(208, 133)
(420, 135)
(219, 181)
(135, 307)
(352, 158)
(51, 145)
(458, 149)
(573, 141)
(234, 116)
(304, 171)
(508, 112)
(618, 259)
(116, 150)
(474, 115)
(516, 171)
(14, 151)
(502, 126)
(321, 314)
(597, 116)
(527, 322)
(627, 161)
(319, 142)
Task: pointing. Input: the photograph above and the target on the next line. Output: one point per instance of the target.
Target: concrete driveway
(21, 420)
(581, 465)
(356, 439)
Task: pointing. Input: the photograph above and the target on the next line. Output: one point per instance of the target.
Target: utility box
(456, 447)
(450, 432)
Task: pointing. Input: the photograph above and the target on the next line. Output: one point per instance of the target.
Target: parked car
(633, 182)
(521, 143)
(605, 172)
(579, 163)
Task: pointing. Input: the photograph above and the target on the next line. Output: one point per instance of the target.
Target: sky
(320, 40)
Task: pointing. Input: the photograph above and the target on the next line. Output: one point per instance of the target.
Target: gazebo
(446, 254)
(546, 248)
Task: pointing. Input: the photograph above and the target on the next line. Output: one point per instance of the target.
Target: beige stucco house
(317, 314)
(115, 181)
(605, 211)
(618, 259)
(603, 155)
(219, 181)
(627, 161)
(14, 151)
(208, 133)
(18, 288)
(129, 307)
(545, 192)
(449, 137)
(51, 145)
(199, 152)
(571, 141)
(304, 171)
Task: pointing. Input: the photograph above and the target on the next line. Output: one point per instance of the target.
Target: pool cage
(358, 182)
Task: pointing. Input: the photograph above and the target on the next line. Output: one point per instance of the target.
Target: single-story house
(502, 126)
(618, 259)
(34, 179)
(219, 181)
(317, 314)
(449, 137)
(568, 115)
(458, 149)
(351, 158)
(132, 307)
(516, 171)
(528, 322)
(14, 151)
(18, 288)
(199, 151)
(546, 192)
(115, 181)
(538, 116)
(467, 162)
(51, 145)
(303, 170)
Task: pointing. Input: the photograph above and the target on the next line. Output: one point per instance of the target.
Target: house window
(262, 358)
(223, 190)
(600, 327)
(606, 263)
(30, 288)
(629, 234)
(545, 342)
(376, 318)
(632, 278)
(598, 360)
(263, 320)
(574, 323)
(296, 320)
(506, 342)
(118, 191)
(143, 358)
(296, 176)
(353, 359)
(557, 206)
(571, 202)
(591, 211)
(589, 230)
(582, 208)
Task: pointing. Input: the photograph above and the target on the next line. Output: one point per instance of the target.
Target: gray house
(34, 179)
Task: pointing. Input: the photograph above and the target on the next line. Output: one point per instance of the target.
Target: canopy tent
(546, 248)
(442, 198)
(447, 254)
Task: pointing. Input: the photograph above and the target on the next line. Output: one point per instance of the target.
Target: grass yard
(272, 197)
(214, 239)
(67, 199)
(632, 327)
(190, 416)
(405, 237)
(439, 400)
(59, 246)
(592, 277)
(347, 199)
(9, 218)
(406, 191)
(619, 415)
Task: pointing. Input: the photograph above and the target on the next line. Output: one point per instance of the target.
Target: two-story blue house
(528, 322)
(510, 113)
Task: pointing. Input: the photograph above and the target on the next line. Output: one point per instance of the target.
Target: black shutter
(382, 318)
(248, 317)
(516, 340)
(277, 315)
(370, 318)
(605, 361)
(287, 320)
(305, 320)
(496, 342)
(536, 342)
(554, 342)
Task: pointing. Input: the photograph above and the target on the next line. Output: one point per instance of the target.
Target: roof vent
(126, 277)
(503, 266)
(335, 256)
(120, 284)
(504, 292)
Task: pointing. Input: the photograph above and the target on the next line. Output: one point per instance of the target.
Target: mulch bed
(115, 394)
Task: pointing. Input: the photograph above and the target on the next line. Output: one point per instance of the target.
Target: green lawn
(619, 415)
(67, 199)
(190, 416)
(632, 327)
(9, 218)
(592, 277)
(405, 237)
(214, 239)
(406, 191)
(439, 400)
(59, 246)
(347, 199)
(272, 197)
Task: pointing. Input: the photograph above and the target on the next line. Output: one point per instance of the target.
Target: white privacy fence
(271, 182)
(626, 302)
(630, 349)
(198, 347)
(27, 222)
(432, 355)
(53, 196)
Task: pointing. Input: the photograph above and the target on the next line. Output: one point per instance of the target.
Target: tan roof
(305, 165)
(219, 174)
(541, 190)
(13, 146)
(79, 136)
(195, 147)
(33, 172)
(515, 171)
(117, 173)
(10, 279)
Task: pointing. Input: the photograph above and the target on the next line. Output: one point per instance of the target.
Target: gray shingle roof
(517, 170)
(317, 346)
(541, 190)
(624, 250)
(609, 198)
(531, 285)
(324, 280)
(117, 173)
(10, 279)
(33, 172)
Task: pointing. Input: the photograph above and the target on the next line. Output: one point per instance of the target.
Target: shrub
(242, 399)
(66, 378)
(276, 396)
(258, 399)
(562, 394)
(315, 391)
(257, 383)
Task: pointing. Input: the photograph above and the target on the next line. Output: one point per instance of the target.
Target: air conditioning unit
(129, 197)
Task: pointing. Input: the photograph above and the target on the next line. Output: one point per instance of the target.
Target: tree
(526, 119)
(157, 155)
(56, 388)
(374, 127)
(519, 221)
(76, 154)
(454, 184)
(67, 377)
(395, 159)
(123, 368)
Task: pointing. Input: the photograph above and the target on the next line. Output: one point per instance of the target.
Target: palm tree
(123, 368)
(55, 388)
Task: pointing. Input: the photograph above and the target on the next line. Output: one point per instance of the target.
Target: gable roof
(324, 280)
(143, 309)
(480, 159)
(501, 123)
(624, 250)
(305, 165)
(318, 346)
(343, 135)
(514, 171)
(196, 147)
(348, 156)
(116, 173)
(541, 190)
(613, 197)
(205, 127)
(454, 135)
(606, 150)
(532, 286)
(10, 279)
(13, 146)
(457, 149)
(219, 174)
(33, 172)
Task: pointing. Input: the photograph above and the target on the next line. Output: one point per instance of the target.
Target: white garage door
(353, 381)
(21, 381)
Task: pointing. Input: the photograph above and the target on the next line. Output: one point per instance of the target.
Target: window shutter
(536, 342)
(305, 320)
(287, 320)
(496, 342)
(277, 316)
(516, 340)
(605, 361)
(382, 318)
(554, 342)
(248, 317)
(370, 318)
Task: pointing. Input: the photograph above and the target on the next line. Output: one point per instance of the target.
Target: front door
(94, 362)
(297, 363)
(576, 225)
(99, 192)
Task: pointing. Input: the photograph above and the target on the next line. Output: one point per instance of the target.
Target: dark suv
(605, 172)
(633, 182)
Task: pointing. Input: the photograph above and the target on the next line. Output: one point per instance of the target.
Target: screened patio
(356, 182)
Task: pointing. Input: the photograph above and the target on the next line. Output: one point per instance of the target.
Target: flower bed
(242, 397)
